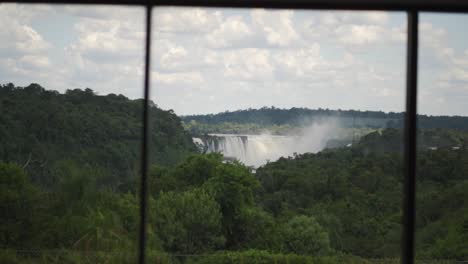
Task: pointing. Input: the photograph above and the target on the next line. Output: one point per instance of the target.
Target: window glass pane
(70, 133)
(283, 135)
(442, 176)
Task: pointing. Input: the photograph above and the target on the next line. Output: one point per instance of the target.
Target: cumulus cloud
(360, 34)
(207, 60)
(298, 63)
(443, 73)
(17, 36)
(177, 78)
(436, 50)
(22, 48)
(108, 49)
(251, 64)
(351, 29)
(277, 26)
(34, 62)
(104, 38)
(186, 20)
(169, 55)
(234, 30)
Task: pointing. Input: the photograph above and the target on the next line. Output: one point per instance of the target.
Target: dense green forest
(69, 170)
(353, 194)
(47, 133)
(283, 121)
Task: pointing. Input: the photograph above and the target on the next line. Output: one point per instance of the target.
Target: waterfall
(256, 150)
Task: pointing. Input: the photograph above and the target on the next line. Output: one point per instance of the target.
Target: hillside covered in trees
(281, 121)
(47, 132)
(69, 167)
(355, 194)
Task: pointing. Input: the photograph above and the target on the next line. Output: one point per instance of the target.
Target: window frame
(412, 9)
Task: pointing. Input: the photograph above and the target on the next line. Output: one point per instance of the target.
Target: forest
(70, 167)
(283, 121)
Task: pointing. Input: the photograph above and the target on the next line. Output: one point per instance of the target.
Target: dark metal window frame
(411, 7)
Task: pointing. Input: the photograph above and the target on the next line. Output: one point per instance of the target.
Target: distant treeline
(272, 116)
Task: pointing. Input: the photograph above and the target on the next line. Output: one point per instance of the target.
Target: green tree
(233, 187)
(188, 222)
(257, 229)
(19, 203)
(303, 235)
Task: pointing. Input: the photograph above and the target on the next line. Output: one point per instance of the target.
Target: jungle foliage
(283, 121)
(69, 176)
(50, 134)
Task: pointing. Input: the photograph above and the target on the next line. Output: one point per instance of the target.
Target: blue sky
(211, 60)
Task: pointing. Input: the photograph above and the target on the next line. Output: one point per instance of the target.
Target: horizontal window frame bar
(456, 6)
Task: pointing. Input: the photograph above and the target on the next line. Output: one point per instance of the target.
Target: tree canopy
(69, 170)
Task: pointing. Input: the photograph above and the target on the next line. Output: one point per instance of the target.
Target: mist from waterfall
(256, 150)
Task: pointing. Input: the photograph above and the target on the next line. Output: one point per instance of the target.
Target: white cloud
(461, 60)
(238, 58)
(16, 35)
(177, 78)
(354, 31)
(127, 14)
(27, 40)
(359, 34)
(296, 63)
(186, 20)
(378, 17)
(34, 62)
(443, 73)
(334, 18)
(23, 50)
(451, 66)
(103, 50)
(431, 36)
(277, 26)
(173, 56)
(252, 64)
(107, 40)
(233, 30)
(168, 55)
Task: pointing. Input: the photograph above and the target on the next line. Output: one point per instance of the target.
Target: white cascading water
(256, 150)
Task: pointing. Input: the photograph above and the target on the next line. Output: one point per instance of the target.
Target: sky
(210, 60)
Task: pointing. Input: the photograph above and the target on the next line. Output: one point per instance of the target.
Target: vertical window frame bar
(410, 140)
(145, 143)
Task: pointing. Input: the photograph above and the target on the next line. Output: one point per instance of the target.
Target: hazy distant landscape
(325, 187)
(255, 136)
